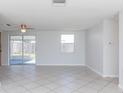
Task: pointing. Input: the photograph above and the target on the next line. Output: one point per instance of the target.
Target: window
(67, 43)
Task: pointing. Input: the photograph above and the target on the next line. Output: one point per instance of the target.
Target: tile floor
(50, 79)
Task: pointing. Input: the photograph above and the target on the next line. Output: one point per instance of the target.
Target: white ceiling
(43, 15)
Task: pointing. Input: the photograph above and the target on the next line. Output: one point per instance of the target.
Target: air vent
(59, 2)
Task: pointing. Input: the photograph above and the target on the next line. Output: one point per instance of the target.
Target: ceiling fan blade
(30, 28)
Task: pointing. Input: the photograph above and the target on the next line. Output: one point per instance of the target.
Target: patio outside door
(22, 50)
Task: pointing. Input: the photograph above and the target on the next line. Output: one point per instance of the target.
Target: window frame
(61, 46)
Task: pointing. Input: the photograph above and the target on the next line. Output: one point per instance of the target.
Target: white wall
(111, 47)
(48, 48)
(102, 48)
(94, 48)
(121, 50)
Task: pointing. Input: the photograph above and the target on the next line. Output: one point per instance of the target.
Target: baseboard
(60, 64)
(94, 70)
(112, 76)
(101, 74)
(53, 65)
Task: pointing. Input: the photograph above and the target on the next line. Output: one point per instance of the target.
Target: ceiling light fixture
(23, 28)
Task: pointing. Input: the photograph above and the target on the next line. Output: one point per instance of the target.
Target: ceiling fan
(22, 27)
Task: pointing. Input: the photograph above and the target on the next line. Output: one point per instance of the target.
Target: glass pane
(15, 50)
(67, 38)
(67, 47)
(29, 49)
(67, 43)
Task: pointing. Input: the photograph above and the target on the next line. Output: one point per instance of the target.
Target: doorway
(22, 50)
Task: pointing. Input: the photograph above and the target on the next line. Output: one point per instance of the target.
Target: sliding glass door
(16, 50)
(22, 50)
(28, 49)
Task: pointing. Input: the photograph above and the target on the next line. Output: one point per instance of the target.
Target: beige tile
(2, 91)
(16, 90)
(53, 79)
(40, 90)
(52, 86)
(31, 85)
(86, 90)
(63, 90)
